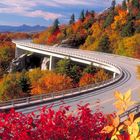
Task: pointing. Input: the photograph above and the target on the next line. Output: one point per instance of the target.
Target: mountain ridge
(21, 28)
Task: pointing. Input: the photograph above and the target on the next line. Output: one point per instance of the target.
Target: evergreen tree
(24, 83)
(113, 4)
(87, 13)
(74, 73)
(128, 29)
(89, 23)
(124, 5)
(66, 67)
(82, 15)
(136, 3)
(72, 19)
(63, 66)
(90, 69)
(93, 13)
(109, 19)
(104, 44)
(55, 25)
(64, 32)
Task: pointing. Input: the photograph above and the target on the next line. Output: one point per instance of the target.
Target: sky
(44, 12)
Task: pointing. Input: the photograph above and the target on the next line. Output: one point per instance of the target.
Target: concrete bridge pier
(52, 63)
(114, 75)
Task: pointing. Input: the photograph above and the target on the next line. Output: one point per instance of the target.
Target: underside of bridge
(26, 60)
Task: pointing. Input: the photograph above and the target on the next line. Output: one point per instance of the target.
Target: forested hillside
(116, 30)
(7, 49)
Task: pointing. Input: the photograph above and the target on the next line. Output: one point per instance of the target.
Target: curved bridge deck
(126, 69)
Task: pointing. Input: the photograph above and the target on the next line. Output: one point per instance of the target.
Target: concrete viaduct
(124, 78)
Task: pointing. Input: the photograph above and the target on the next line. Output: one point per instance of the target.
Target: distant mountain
(22, 28)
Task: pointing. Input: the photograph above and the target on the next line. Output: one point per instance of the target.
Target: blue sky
(43, 12)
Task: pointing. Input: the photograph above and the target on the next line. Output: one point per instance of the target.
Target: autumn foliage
(55, 125)
(51, 82)
(120, 24)
(7, 49)
(127, 130)
(64, 124)
(67, 75)
(86, 79)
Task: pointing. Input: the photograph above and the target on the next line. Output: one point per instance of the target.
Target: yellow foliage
(130, 126)
(36, 74)
(100, 76)
(114, 122)
(129, 46)
(96, 30)
(133, 128)
(130, 120)
(123, 101)
(120, 19)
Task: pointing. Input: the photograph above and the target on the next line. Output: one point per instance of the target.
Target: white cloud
(26, 7)
(45, 15)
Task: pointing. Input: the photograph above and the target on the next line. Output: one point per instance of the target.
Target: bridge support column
(51, 65)
(114, 75)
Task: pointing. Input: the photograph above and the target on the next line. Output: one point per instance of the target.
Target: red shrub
(59, 125)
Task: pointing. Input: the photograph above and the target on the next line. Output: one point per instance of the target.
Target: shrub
(51, 125)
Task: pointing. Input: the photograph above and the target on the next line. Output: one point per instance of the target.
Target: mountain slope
(22, 28)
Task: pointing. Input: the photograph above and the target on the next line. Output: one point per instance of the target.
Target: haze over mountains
(22, 28)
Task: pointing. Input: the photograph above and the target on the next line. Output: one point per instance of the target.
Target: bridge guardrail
(54, 95)
(135, 110)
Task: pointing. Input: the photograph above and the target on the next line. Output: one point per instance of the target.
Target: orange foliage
(77, 26)
(86, 79)
(52, 82)
(53, 37)
(120, 19)
(100, 76)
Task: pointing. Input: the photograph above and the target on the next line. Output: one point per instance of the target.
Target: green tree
(10, 88)
(89, 40)
(113, 4)
(24, 83)
(82, 15)
(66, 67)
(87, 13)
(55, 25)
(72, 19)
(124, 5)
(92, 13)
(136, 3)
(104, 44)
(128, 29)
(89, 23)
(63, 66)
(6, 56)
(75, 73)
(109, 19)
(15, 85)
(90, 69)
